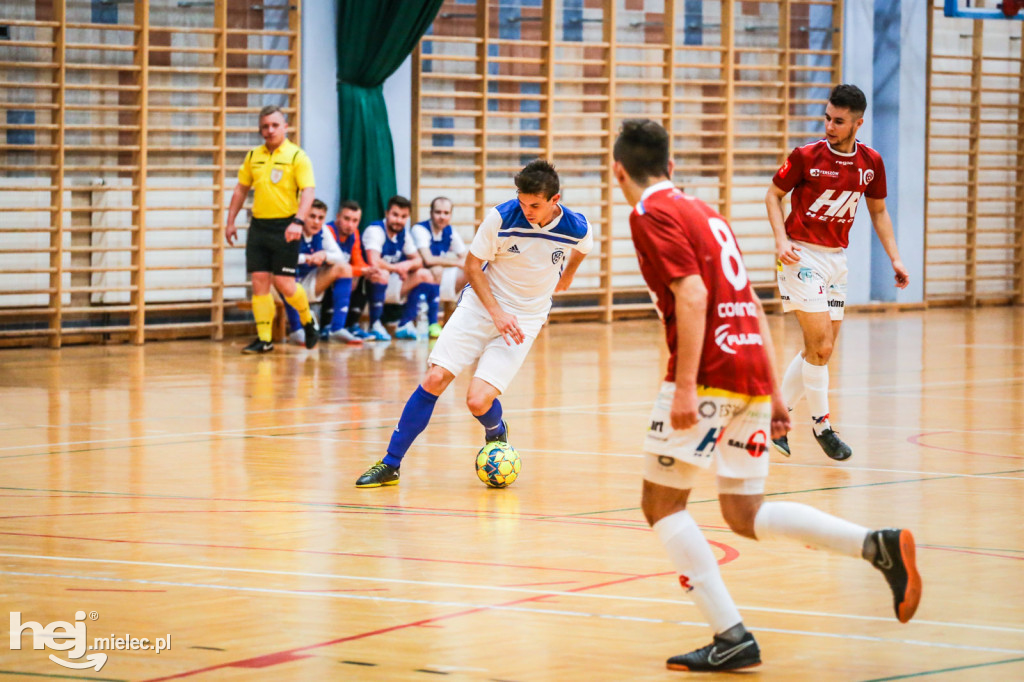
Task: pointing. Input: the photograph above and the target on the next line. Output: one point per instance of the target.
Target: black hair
(538, 177)
(350, 204)
(319, 204)
(642, 149)
(849, 96)
(437, 199)
(399, 201)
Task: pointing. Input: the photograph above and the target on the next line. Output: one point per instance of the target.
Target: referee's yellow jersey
(276, 179)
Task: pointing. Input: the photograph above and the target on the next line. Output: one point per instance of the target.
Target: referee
(281, 176)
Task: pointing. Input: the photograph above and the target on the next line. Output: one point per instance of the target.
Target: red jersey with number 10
(827, 186)
(677, 235)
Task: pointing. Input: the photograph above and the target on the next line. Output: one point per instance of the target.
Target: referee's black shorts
(266, 249)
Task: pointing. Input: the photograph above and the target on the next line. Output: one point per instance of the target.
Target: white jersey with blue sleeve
(447, 244)
(524, 260)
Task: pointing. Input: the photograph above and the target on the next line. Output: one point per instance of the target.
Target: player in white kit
(525, 250)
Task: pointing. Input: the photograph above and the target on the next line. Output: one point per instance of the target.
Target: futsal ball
(498, 464)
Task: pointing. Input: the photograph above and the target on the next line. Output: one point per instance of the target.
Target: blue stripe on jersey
(312, 246)
(538, 235)
(391, 251)
(572, 224)
(438, 245)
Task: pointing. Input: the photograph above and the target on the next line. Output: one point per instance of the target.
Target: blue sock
(294, 321)
(342, 292)
(412, 304)
(433, 300)
(491, 420)
(415, 418)
(377, 294)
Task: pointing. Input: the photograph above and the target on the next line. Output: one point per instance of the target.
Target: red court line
(916, 440)
(312, 551)
(297, 653)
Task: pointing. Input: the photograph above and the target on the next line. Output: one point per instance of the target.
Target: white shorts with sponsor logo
(817, 282)
(733, 430)
(471, 335)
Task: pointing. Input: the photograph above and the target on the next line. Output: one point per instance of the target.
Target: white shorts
(394, 292)
(309, 284)
(449, 278)
(733, 430)
(817, 282)
(470, 335)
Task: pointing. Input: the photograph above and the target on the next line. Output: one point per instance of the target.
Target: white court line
(487, 588)
(234, 432)
(516, 609)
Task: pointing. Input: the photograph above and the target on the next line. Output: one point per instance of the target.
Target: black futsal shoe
(258, 346)
(502, 438)
(782, 445)
(312, 330)
(894, 557)
(719, 656)
(378, 475)
(832, 445)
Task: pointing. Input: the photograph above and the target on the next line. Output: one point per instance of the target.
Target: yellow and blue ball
(498, 464)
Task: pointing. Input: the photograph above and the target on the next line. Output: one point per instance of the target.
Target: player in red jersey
(720, 402)
(827, 179)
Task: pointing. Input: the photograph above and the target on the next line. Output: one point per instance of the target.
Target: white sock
(810, 526)
(816, 384)
(698, 570)
(793, 382)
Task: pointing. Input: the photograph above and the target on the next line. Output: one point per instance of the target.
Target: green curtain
(374, 38)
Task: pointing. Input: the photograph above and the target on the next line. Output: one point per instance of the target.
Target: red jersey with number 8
(827, 187)
(676, 236)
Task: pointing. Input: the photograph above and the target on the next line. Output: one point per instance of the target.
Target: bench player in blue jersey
(398, 275)
(525, 250)
(322, 265)
(444, 252)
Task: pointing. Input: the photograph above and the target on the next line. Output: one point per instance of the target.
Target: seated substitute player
(516, 261)
(444, 252)
(720, 402)
(827, 179)
(322, 264)
(345, 229)
(281, 176)
(398, 276)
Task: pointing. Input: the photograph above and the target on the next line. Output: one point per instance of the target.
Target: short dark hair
(538, 177)
(437, 199)
(319, 204)
(848, 96)
(642, 149)
(399, 201)
(350, 204)
(271, 109)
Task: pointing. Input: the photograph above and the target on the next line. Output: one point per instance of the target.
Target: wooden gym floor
(183, 489)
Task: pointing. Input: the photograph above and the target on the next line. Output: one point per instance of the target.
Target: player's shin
(698, 570)
(415, 418)
(342, 292)
(809, 526)
(793, 381)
